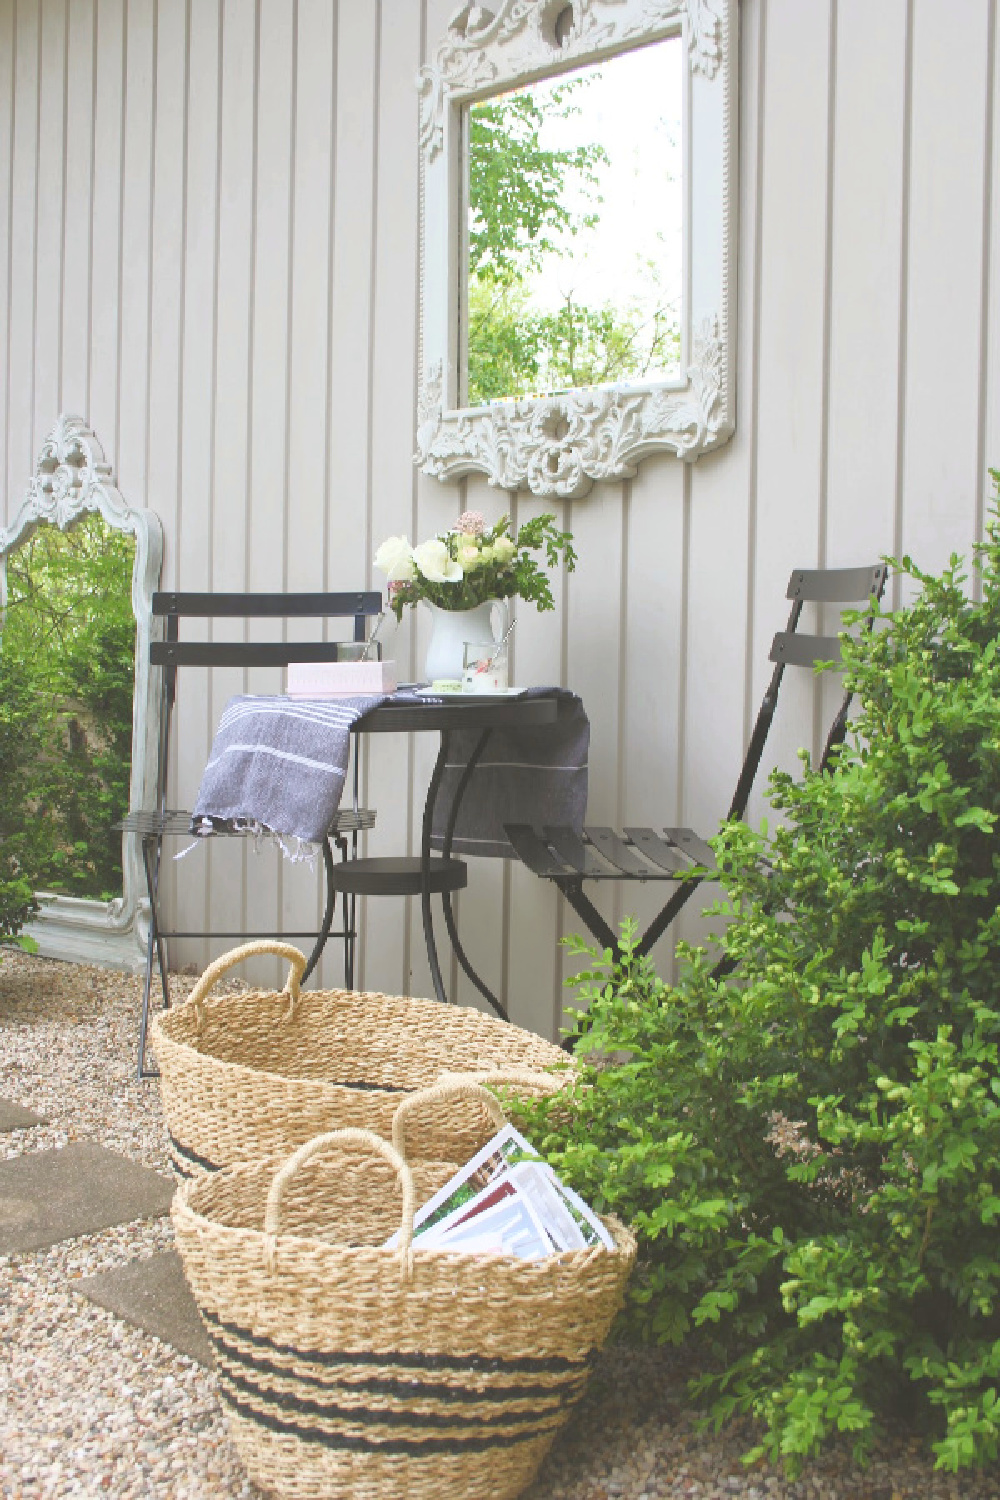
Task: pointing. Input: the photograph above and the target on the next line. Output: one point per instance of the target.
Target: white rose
(503, 549)
(436, 563)
(471, 558)
(395, 559)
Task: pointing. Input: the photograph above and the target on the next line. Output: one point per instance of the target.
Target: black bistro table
(449, 713)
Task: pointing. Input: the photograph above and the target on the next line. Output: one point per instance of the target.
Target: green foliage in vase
(67, 655)
(809, 1147)
(473, 563)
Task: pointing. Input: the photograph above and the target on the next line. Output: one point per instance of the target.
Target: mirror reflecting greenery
(574, 221)
(67, 670)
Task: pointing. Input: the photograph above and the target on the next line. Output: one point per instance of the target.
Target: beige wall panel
(191, 545)
(867, 248)
(348, 433)
(722, 513)
(6, 172)
(535, 912)
(275, 894)
(791, 374)
(51, 166)
(106, 230)
(481, 914)
(233, 387)
(389, 948)
(137, 211)
(74, 396)
(945, 269)
(166, 324)
(169, 204)
(651, 687)
(23, 249)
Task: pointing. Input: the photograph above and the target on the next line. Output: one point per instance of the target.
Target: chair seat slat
(579, 857)
(697, 851)
(531, 849)
(656, 849)
(617, 852)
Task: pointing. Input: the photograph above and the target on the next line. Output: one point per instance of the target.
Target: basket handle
(466, 1086)
(355, 1136)
(236, 956)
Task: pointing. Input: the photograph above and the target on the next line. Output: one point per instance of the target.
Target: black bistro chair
(680, 856)
(153, 825)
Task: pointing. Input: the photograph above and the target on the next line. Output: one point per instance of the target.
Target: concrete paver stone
(16, 1117)
(48, 1196)
(153, 1294)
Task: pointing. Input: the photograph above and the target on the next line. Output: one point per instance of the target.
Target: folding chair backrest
(794, 648)
(171, 652)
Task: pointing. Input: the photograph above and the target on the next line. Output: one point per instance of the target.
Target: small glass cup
(484, 668)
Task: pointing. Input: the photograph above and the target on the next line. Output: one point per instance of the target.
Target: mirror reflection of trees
(574, 230)
(67, 669)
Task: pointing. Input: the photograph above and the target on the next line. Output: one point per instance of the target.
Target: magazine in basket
(506, 1200)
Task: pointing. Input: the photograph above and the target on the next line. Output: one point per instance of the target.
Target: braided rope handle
(236, 956)
(349, 1135)
(467, 1086)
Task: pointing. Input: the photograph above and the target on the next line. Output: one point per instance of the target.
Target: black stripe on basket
(553, 1397)
(186, 1154)
(524, 1363)
(361, 1442)
(401, 1387)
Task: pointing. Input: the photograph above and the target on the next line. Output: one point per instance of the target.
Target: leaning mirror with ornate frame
(78, 567)
(577, 239)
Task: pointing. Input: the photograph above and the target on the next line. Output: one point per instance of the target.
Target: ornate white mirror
(77, 572)
(577, 241)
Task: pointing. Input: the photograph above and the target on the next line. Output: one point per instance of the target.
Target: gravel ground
(90, 1406)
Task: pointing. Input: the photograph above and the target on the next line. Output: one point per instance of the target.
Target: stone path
(47, 1197)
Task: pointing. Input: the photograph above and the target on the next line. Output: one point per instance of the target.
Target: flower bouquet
(473, 563)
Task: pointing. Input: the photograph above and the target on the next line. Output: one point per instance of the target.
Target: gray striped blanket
(278, 765)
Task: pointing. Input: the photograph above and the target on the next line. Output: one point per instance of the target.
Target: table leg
(449, 916)
(425, 857)
(425, 868)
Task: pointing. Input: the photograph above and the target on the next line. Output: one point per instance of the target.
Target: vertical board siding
(208, 248)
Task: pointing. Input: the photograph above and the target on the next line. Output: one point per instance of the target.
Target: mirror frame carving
(72, 478)
(559, 445)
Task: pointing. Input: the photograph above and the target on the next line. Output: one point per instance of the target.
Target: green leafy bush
(810, 1147)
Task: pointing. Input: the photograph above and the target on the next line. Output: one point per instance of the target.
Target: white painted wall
(208, 248)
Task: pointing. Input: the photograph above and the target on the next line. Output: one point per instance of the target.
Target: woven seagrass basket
(348, 1368)
(257, 1073)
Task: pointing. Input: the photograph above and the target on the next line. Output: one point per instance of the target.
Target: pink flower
(471, 521)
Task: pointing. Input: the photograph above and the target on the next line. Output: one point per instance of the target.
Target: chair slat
(273, 606)
(533, 851)
(579, 856)
(656, 849)
(697, 851)
(240, 653)
(799, 650)
(620, 854)
(837, 585)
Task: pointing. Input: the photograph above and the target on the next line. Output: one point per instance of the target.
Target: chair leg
(331, 897)
(154, 944)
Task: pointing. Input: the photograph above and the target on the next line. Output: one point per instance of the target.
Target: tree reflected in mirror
(574, 229)
(67, 670)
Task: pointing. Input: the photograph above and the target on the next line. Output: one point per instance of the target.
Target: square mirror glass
(573, 242)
